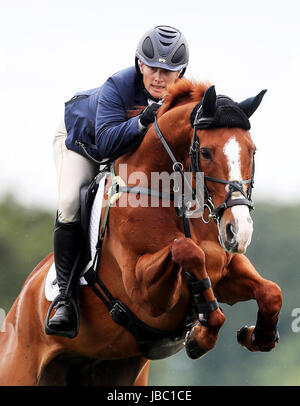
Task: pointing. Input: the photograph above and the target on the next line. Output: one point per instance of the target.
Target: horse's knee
(216, 320)
(269, 298)
(186, 253)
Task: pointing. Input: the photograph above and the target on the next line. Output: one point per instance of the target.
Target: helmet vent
(167, 36)
(166, 44)
(148, 48)
(179, 54)
(167, 30)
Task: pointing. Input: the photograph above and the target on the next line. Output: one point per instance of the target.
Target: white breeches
(73, 171)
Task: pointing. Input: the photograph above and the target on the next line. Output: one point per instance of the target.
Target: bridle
(215, 213)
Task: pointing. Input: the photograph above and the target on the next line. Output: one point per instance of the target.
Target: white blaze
(232, 152)
(243, 222)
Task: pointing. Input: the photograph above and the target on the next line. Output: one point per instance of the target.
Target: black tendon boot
(67, 247)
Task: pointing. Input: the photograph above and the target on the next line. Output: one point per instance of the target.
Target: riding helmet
(163, 47)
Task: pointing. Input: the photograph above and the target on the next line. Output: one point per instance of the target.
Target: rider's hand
(149, 114)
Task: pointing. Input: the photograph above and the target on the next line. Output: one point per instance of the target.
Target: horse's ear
(209, 102)
(250, 105)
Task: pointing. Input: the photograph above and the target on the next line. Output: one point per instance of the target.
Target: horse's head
(222, 149)
(221, 128)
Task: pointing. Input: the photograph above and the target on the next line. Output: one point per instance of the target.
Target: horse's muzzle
(235, 230)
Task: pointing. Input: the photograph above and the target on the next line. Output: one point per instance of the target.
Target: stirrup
(63, 333)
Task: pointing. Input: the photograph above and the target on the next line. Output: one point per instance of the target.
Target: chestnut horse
(153, 265)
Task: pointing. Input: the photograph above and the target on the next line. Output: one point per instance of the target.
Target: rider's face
(156, 80)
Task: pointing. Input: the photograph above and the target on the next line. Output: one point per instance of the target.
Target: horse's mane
(181, 92)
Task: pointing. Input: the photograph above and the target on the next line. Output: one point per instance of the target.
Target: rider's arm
(115, 133)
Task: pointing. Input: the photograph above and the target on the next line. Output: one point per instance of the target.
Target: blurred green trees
(26, 238)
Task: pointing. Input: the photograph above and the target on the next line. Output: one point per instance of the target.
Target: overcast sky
(50, 49)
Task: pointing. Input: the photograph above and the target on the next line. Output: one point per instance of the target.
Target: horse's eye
(205, 153)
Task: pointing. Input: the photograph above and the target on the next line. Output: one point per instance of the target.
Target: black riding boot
(67, 246)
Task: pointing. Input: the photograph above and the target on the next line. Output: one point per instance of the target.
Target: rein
(178, 167)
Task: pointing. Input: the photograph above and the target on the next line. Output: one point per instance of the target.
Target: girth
(153, 343)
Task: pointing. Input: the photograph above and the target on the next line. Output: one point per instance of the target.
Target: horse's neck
(151, 156)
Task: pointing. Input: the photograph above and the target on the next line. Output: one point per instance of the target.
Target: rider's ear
(141, 66)
(250, 105)
(209, 102)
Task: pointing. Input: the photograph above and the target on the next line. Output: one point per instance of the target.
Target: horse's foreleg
(204, 334)
(157, 286)
(243, 283)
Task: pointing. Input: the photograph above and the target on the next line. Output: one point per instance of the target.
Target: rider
(95, 121)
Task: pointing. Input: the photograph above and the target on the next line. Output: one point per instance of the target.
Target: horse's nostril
(230, 233)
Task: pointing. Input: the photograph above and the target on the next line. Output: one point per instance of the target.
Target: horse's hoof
(194, 351)
(245, 338)
(242, 334)
(192, 348)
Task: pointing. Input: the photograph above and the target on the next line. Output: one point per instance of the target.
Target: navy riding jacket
(98, 119)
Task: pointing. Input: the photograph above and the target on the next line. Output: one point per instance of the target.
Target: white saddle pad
(51, 286)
